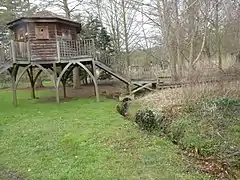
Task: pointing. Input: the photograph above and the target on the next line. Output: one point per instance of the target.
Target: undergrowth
(204, 122)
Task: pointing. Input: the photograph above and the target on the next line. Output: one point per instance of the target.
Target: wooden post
(129, 86)
(14, 90)
(13, 73)
(64, 88)
(28, 52)
(94, 71)
(58, 51)
(2, 58)
(13, 51)
(33, 81)
(55, 82)
(64, 81)
(30, 75)
(93, 49)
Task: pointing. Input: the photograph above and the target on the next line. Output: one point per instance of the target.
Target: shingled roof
(43, 16)
(47, 14)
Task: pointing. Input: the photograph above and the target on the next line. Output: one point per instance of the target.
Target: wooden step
(111, 71)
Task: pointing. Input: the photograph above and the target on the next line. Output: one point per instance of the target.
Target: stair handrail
(5, 53)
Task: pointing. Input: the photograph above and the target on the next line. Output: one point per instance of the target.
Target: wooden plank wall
(43, 49)
(62, 27)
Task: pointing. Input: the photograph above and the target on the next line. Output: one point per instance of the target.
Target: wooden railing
(113, 62)
(5, 53)
(75, 48)
(133, 72)
(20, 50)
(27, 51)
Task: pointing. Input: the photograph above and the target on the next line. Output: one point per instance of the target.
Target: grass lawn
(81, 139)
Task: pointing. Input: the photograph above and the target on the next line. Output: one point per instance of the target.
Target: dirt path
(111, 89)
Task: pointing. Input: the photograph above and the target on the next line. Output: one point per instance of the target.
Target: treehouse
(47, 37)
(49, 43)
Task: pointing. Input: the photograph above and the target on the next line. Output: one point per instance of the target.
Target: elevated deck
(67, 54)
(46, 52)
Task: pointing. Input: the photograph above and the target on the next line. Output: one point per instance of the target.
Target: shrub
(123, 107)
(177, 130)
(148, 119)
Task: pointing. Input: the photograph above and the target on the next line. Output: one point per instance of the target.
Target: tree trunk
(218, 37)
(167, 35)
(179, 60)
(125, 32)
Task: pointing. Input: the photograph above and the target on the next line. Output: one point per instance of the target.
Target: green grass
(81, 139)
(48, 84)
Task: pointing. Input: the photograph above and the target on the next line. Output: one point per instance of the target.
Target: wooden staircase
(137, 85)
(111, 71)
(4, 67)
(5, 60)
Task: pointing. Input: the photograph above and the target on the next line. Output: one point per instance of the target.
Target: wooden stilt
(129, 89)
(55, 82)
(94, 71)
(64, 89)
(63, 79)
(13, 73)
(14, 89)
(66, 75)
(16, 80)
(93, 78)
(35, 80)
(30, 75)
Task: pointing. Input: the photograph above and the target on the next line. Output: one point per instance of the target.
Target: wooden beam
(33, 80)
(95, 75)
(13, 73)
(45, 70)
(30, 76)
(55, 82)
(63, 79)
(62, 73)
(28, 51)
(142, 87)
(13, 51)
(58, 51)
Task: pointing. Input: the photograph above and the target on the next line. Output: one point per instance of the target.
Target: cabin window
(42, 32)
(66, 34)
(21, 34)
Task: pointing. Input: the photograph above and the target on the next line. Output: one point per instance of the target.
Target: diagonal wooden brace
(142, 87)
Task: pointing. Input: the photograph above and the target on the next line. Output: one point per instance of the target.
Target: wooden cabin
(47, 37)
